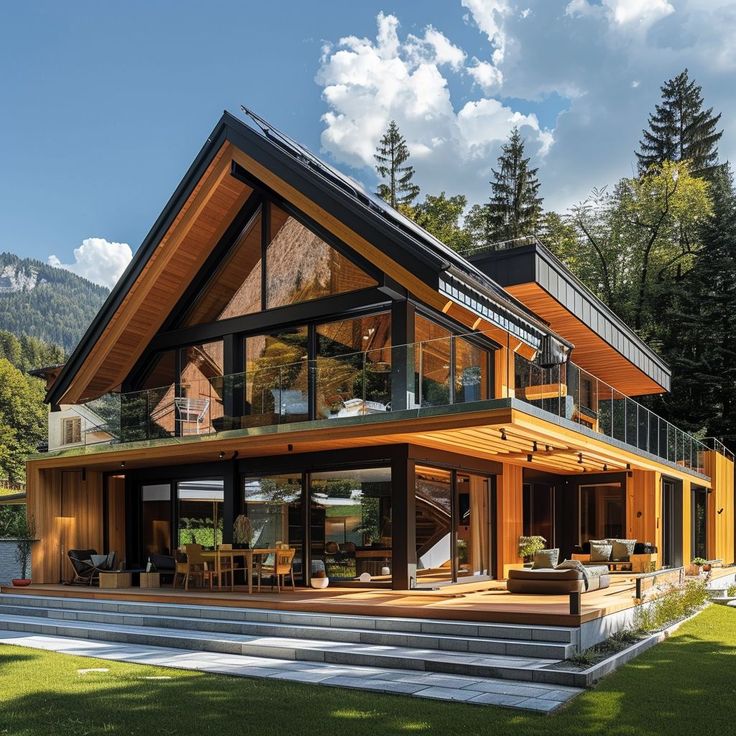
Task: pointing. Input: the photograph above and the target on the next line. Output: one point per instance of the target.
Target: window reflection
(602, 511)
(273, 504)
(300, 266)
(432, 363)
(351, 523)
(200, 512)
(277, 376)
(354, 366)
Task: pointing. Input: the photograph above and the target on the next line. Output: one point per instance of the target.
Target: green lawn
(686, 685)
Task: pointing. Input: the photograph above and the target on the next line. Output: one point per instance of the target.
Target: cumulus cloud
(639, 14)
(368, 82)
(593, 68)
(97, 260)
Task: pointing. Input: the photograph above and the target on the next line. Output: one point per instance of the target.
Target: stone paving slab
(540, 698)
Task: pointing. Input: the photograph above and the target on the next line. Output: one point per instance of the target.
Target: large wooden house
(286, 346)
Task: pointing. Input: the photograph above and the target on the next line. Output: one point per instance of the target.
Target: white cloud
(97, 260)
(624, 14)
(368, 82)
(597, 64)
(638, 12)
(485, 75)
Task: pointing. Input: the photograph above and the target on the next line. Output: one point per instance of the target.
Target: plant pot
(319, 583)
(20, 582)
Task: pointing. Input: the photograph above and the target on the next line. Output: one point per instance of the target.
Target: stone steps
(459, 641)
(499, 651)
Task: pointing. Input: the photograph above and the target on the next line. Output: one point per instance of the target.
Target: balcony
(435, 375)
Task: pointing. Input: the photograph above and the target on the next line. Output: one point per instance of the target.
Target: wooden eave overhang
(554, 444)
(235, 159)
(604, 345)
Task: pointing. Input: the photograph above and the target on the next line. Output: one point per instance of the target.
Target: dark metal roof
(532, 262)
(405, 242)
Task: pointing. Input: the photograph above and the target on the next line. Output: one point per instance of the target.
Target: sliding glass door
(452, 525)
(602, 511)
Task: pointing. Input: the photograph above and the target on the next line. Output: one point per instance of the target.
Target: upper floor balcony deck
(437, 377)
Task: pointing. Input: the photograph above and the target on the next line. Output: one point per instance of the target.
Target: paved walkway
(480, 691)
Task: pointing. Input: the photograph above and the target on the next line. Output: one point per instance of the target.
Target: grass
(685, 685)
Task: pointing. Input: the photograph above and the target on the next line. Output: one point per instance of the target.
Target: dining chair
(283, 566)
(197, 566)
(225, 565)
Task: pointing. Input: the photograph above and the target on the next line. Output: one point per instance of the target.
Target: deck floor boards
(492, 603)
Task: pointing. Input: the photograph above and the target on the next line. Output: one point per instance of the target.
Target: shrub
(673, 605)
(529, 545)
(731, 590)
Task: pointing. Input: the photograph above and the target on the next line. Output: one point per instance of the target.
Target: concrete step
(528, 669)
(433, 627)
(163, 620)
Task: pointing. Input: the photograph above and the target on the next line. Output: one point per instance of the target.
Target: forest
(659, 248)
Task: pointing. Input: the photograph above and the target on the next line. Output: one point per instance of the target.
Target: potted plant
(242, 532)
(696, 566)
(319, 579)
(25, 532)
(529, 545)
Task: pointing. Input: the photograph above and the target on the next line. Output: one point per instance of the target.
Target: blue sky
(106, 104)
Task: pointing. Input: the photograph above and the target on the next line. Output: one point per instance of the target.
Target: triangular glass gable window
(300, 267)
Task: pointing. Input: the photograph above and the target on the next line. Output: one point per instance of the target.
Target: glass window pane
(156, 517)
(602, 511)
(431, 363)
(354, 366)
(200, 512)
(277, 376)
(471, 371)
(235, 288)
(200, 394)
(433, 498)
(273, 504)
(350, 524)
(300, 266)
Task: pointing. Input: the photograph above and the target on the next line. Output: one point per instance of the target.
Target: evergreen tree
(681, 130)
(699, 341)
(515, 209)
(391, 157)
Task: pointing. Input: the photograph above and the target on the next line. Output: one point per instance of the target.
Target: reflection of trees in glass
(200, 530)
(280, 365)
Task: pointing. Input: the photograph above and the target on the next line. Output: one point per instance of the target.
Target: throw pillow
(622, 549)
(600, 552)
(544, 559)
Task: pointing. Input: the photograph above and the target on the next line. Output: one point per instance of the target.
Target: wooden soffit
(179, 255)
(592, 353)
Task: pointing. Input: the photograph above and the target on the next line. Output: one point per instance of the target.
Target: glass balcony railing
(433, 373)
(569, 392)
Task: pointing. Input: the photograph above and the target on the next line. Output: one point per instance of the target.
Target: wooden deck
(490, 602)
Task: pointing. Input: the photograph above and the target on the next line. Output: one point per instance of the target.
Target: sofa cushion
(622, 549)
(600, 552)
(558, 573)
(545, 559)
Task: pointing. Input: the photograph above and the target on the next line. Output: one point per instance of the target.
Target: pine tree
(680, 129)
(515, 209)
(391, 156)
(699, 342)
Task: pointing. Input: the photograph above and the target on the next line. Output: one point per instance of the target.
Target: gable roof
(233, 160)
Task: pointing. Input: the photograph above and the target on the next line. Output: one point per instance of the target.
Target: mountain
(49, 303)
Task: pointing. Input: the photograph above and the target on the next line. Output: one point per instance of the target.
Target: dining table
(247, 555)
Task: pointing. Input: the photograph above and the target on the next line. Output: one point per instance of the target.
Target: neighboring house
(287, 346)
